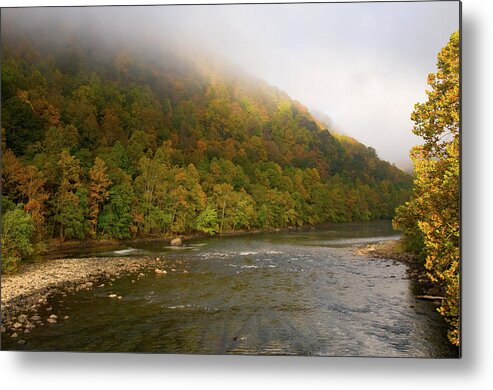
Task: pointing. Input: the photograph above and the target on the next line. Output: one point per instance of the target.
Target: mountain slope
(115, 143)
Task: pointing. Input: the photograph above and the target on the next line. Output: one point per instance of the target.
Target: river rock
(22, 318)
(17, 325)
(113, 296)
(51, 321)
(158, 271)
(21, 342)
(53, 316)
(176, 242)
(14, 335)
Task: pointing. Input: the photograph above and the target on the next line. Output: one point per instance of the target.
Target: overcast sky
(363, 64)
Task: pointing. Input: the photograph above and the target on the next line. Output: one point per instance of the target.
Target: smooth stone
(176, 242)
(21, 342)
(113, 296)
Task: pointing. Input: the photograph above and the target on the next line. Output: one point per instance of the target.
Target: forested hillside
(100, 143)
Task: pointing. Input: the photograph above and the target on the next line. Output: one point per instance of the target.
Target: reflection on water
(283, 293)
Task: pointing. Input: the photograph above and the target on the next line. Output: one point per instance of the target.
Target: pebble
(33, 287)
(66, 317)
(53, 316)
(14, 335)
(113, 296)
(17, 325)
(21, 342)
(51, 320)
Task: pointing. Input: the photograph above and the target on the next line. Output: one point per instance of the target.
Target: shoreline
(25, 295)
(54, 246)
(392, 249)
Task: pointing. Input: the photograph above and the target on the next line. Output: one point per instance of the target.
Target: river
(287, 293)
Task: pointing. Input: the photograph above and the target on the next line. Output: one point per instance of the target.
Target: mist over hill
(108, 137)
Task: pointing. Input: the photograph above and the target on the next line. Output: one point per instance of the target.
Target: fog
(364, 65)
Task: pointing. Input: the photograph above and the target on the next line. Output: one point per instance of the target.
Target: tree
(17, 231)
(207, 221)
(25, 184)
(98, 192)
(68, 213)
(432, 215)
(115, 220)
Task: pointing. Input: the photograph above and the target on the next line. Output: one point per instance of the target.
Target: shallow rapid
(300, 293)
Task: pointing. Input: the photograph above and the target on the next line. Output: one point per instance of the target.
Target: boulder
(176, 242)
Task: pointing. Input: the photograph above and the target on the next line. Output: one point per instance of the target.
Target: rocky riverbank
(25, 296)
(392, 249)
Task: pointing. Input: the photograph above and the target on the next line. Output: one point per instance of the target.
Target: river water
(288, 293)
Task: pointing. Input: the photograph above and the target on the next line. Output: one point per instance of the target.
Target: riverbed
(285, 293)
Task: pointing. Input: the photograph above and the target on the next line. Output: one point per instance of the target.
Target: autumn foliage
(116, 144)
(430, 219)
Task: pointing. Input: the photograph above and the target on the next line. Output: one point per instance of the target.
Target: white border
(473, 371)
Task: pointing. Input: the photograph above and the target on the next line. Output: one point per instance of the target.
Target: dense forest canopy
(111, 142)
